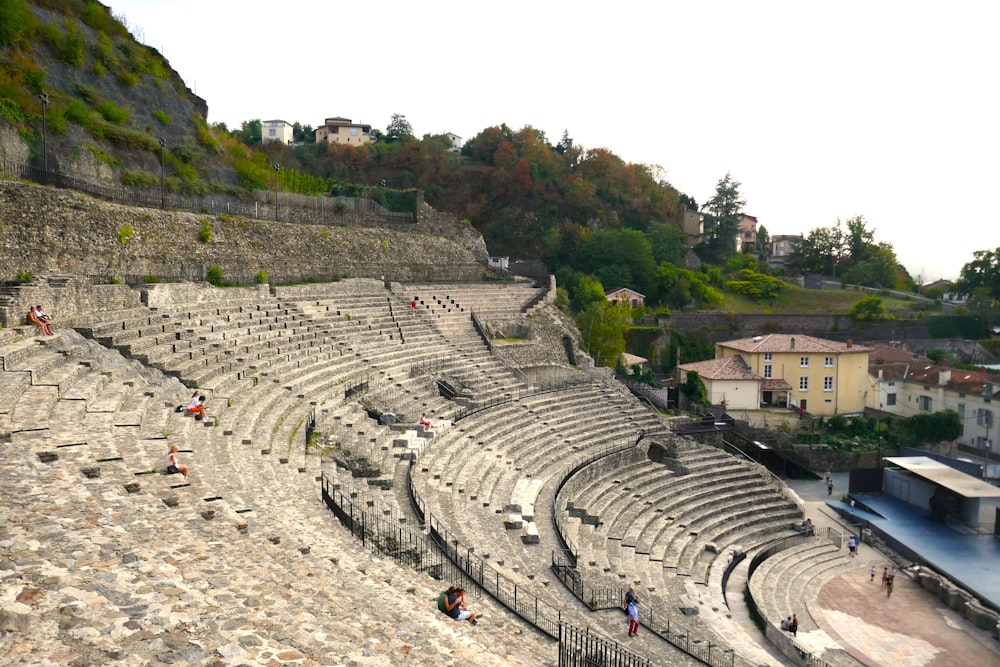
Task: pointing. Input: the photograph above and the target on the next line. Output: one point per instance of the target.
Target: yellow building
(821, 377)
(339, 130)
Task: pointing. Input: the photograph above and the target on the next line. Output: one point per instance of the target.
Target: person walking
(633, 618)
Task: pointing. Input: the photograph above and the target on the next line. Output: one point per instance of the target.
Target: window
(925, 403)
(804, 362)
(828, 383)
(961, 411)
(804, 383)
(768, 356)
(984, 417)
(272, 132)
(890, 399)
(768, 371)
(354, 131)
(828, 362)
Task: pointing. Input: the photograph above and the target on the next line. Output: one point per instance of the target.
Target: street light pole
(44, 97)
(986, 446)
(277, 171)
(162, 145)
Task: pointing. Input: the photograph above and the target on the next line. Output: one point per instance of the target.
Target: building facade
(923, 386)
(625, 296)
(276, 131)
(813, 375)
(340, 130)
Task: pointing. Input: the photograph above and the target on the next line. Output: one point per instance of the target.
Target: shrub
(127, 78)
(16, 22)
(161, 117)
(262, 277)
(24, 277)
(125, 233)
(113, 113)
(150, 280)
(205, 233)
(74, 46)
(868, 308)
(77, 113)
(215, 276)
(138, 179)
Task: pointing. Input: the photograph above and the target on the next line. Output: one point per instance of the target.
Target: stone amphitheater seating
(270, 362)
(784, 581)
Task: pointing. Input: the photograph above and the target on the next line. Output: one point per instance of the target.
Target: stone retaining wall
(46, 231)
(959, 600)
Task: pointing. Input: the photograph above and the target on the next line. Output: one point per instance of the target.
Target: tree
(250, 132)
(880, 268)
(602, 326)
(722, 222)
(819, 251)
(868, 308)
(763, 241)
(982, 272)
(399, 129)
(303, 134)
(858, 239)
(932, 427)
(621, 258)
(694, 388)
(669, 244)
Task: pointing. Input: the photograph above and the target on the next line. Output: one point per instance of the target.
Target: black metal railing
(478, 326)
(517, 599)
(580, 648)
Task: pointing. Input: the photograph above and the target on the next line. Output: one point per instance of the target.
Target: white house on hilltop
(276, 131)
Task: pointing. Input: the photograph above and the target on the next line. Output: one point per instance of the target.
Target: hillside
(110, 99)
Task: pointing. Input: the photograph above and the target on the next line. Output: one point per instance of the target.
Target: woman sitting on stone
(173, 465)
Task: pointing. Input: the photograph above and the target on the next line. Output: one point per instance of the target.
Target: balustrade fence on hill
(289, 207)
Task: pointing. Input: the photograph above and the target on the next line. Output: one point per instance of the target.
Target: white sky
(887, 109)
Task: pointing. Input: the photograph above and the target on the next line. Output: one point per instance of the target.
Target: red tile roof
(791, 343)
(978, 383)
(723, 368)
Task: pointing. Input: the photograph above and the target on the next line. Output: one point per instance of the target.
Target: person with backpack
(633, 618)
(451, 603)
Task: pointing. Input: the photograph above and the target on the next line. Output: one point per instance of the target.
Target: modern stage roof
(956, 481)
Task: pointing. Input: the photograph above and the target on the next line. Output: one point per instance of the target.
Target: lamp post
(277, 170)
(986, 445)
(162, 146)
(44, 97)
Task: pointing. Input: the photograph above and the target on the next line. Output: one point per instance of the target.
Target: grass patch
(799, 300)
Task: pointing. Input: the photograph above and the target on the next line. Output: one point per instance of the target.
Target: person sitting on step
(424, 421)
(173, 465)
(38, 317)
(197, 407)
